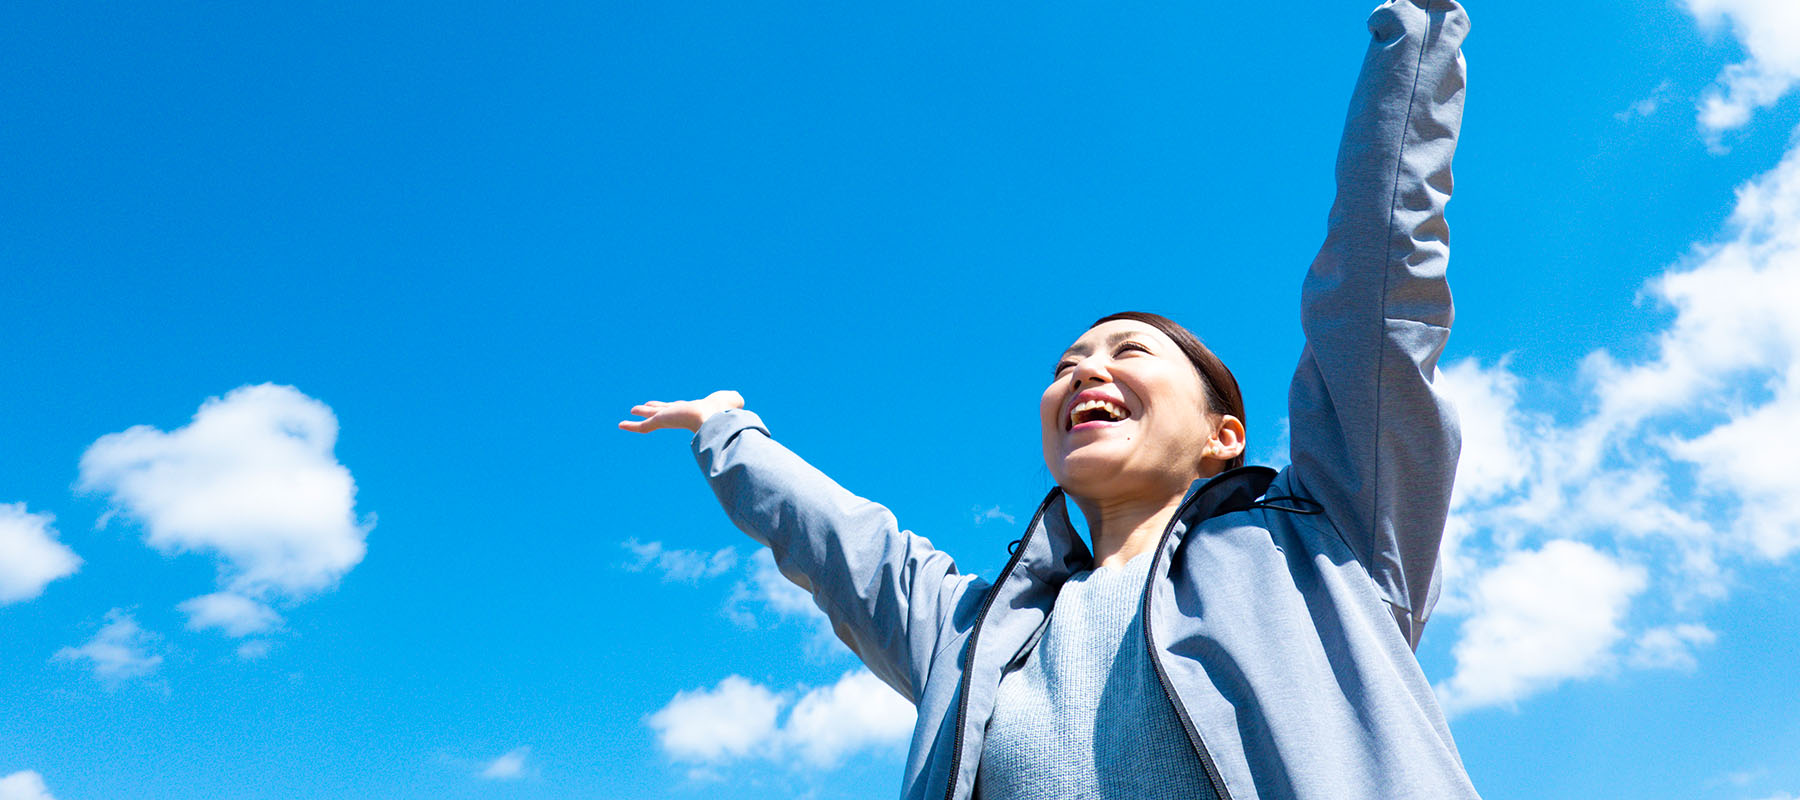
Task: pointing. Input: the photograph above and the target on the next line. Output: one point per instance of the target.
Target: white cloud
(254, 649)
(686, 566)
(24, 785)
(1677, 461)
(119, 652)
(30, 555)
(1540, 618)
(732, 720)
(1767, 29)
(856, 713)
(507, 767)
(251, 480)
(1671, 646)
(740, 719)
(230, 612)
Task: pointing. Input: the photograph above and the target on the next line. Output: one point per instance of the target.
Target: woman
(1224, 631)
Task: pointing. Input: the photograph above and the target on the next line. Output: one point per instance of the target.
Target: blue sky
(318, 320)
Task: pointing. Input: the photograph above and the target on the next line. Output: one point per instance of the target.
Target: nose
(1092, 368)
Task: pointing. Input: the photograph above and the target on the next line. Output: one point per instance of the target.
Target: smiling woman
(1221, 631)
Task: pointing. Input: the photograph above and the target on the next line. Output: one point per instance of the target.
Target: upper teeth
(1087, 405)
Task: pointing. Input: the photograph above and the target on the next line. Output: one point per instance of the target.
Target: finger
(639, 425)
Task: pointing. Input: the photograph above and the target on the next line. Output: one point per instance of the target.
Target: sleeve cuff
(719, 429)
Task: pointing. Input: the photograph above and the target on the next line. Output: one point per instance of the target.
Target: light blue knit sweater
(1085, 717)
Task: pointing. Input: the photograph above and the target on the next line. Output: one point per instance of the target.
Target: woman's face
(1125, 415)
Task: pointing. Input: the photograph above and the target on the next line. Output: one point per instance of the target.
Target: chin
(1084, 474)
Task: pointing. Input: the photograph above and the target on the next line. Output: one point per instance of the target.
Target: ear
(1227, 440)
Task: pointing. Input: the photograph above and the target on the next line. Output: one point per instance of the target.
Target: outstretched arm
(887, 591)
(1373, 441)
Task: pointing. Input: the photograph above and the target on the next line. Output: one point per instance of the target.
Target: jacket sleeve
(1373, 440)
(887, 591)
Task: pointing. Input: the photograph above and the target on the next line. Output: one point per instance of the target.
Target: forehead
(1110, 333)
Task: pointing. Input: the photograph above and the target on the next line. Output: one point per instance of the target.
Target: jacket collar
(1054, 549)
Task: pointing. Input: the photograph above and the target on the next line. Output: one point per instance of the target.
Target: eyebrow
(1110, 340)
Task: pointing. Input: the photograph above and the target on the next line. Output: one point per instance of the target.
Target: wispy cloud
(251, 480)
(1670, 647)
(24, 785)
(119, 652)
(766, 593)
(1767, 30)
(1648, 105)
(990, 514)
(30, 555)
(739, 719)
(509, 766)
(685, 566)
(1648, 494)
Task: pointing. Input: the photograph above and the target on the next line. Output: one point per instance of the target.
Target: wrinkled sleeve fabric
(887, 591)
(1373, 441)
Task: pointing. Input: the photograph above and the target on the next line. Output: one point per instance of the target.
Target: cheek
(1047, 409)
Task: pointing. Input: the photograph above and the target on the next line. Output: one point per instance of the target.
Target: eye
(1062, 366)
(1127, 346)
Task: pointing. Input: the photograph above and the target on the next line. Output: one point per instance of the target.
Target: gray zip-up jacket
(1281, 609)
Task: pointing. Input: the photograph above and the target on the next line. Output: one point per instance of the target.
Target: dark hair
(1222, 393)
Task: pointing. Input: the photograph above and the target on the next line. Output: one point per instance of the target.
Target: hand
(686, 414)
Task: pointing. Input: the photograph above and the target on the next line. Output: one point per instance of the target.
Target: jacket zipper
(1187, 722)
(962, 702)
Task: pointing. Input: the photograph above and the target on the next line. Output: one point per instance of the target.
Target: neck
(1122, 529)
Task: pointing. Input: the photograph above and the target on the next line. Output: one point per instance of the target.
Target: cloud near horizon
(252, 481)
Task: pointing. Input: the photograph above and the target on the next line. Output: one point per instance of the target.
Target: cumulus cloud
(1767, 30)
(685, 566)
(252, 481)
(1675, 462)
(24, 785)
(120, 651)
(1540, 617)
(30, 555)
(740, 719)
(732, 720)
(858, 712)
(509, 766)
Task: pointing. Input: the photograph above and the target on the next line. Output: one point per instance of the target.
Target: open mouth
(1096, 410)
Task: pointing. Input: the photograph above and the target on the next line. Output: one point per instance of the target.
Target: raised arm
(1373, 441)
(887, 591)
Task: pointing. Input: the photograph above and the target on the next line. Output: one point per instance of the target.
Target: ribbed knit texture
(1085, 716)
